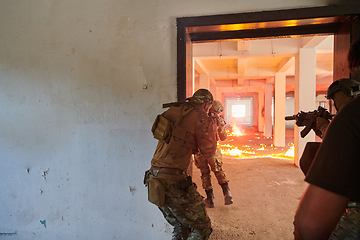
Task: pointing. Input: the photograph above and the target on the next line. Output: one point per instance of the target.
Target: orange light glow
(236, 131)
(290, 152)
(245, 145)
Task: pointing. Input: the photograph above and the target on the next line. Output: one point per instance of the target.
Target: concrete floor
(266, 192)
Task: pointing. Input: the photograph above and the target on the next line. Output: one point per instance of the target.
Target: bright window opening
(238, 111)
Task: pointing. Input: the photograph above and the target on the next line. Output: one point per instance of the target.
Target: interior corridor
(266, 192)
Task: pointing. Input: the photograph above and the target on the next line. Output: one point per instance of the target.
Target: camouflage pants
(215, 165)
(185, 209)
(349, 226)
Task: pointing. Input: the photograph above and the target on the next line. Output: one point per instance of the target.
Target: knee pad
(180, 233)
(200, 234)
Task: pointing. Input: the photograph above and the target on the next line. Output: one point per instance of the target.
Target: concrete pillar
(204, 81)
(305, 95)
(213, 90)
(255, 118)
(261, 120)
(267, 107)
(192, 85)
(218, 95)
(279, 110)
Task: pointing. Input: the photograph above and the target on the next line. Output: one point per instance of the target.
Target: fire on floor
(245, 143)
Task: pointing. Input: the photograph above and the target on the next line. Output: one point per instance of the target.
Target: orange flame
(291, 151)
(236, 131)
(233, 146)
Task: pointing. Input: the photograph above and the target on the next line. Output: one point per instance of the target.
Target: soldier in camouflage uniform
(214, 163)
(180, 202)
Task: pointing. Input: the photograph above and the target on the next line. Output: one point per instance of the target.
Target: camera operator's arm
(318, 213)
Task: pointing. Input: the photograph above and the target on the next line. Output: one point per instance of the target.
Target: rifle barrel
(290, 117)
(176, 104)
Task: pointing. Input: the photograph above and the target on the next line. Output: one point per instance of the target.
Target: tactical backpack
(163, 128)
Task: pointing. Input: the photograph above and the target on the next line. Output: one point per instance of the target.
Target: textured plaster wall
(80, 85)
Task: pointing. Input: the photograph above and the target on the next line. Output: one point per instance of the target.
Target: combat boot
(209, 201)
(227, 194)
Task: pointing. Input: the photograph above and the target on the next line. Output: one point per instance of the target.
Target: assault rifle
(176, 104)
(308, 119)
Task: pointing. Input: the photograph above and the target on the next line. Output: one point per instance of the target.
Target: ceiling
(240, 50)
(244, 64)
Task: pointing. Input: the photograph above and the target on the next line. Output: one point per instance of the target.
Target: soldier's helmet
(217, 106)
(201, 96)
(349, 87)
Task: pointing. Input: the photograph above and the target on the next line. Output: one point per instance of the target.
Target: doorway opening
(221, 33)
(238, 74)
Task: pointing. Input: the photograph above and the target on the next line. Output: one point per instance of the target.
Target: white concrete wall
(75, 114)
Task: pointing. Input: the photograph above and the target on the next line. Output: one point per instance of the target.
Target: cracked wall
(80, 85)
